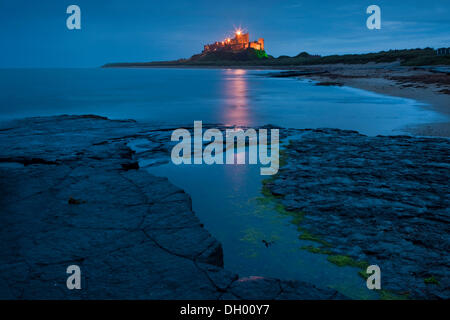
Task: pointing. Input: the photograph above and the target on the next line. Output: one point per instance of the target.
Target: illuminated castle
(239, 42)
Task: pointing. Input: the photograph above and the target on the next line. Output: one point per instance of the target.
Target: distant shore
(423, 84)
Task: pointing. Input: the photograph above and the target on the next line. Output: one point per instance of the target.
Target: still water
(228, 200)
(225, 197)
(180, 96)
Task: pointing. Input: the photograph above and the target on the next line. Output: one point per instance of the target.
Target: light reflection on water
(224, 196)
(180, 96)
(227, 199)
(234, 110)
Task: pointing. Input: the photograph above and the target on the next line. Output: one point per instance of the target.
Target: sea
(226, 198)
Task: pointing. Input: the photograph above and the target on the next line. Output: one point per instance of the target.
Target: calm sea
(225, 198)
(180, 96)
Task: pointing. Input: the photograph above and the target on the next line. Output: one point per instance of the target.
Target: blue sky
(34, 33)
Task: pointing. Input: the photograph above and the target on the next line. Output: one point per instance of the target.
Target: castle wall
(261, 42)
(243, 38)
(239, 42)
(255, 45)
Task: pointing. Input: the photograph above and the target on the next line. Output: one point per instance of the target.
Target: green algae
(388, 295)
(306, 235)
(317, 250)
(346, 261)
(431, 280)
(265, 191)
(297, 217)
(326, 248)
(363, 274)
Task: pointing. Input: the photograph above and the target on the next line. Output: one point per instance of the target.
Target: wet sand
(424, 84)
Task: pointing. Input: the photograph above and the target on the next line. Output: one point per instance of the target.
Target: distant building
(443, 51)
(239, 42)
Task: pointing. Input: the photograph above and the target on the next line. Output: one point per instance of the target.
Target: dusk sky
(34, 34)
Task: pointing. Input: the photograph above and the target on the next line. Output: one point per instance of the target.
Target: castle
(239, 42)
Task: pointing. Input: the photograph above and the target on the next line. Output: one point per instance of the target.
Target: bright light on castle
(239, 42)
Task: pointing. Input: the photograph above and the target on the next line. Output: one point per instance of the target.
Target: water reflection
(235, 110)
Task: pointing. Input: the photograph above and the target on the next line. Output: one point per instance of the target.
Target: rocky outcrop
(384, 200)
(72, 193)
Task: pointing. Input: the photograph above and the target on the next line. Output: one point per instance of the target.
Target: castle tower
(261, 43)
(242, 38)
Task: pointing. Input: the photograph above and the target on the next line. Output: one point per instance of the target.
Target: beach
(425, 84)
(61, 174)
(428, 85)
(225, 159)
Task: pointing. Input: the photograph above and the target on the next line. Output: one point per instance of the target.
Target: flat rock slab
(70, 194)
(384, 200)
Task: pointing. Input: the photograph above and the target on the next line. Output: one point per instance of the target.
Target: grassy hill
(252, 57)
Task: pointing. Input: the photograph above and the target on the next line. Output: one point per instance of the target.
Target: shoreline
(97, 173)
(420, 84)
(84, 200)
(370, 211)
(424, 84)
